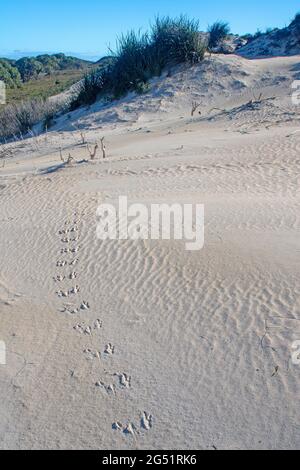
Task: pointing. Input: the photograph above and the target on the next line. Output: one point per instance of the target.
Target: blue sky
(90, 26)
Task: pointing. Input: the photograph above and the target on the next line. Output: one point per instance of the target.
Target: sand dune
(141, 344)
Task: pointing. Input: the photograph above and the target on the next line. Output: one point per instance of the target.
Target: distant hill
(31, 67)
(18, 54)
(106, 61)
(28, 68)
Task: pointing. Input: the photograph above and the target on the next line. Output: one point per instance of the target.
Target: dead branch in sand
(82, 136)
(195, 106)
(256, 100)
(66, 161)
(93, 153)
(103, 148)
(251, 105)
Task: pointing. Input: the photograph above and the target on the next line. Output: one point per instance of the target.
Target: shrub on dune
(217, 33)
(133, 65)
(177, 41)
(92, 84)
(139, 57)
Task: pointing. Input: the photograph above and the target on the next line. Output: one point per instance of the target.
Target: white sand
(188, 349)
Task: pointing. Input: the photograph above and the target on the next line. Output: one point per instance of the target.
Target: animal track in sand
(119, 381)
(65, 232)
(75, 290)
(85, 306)
(70, 250)
(75, 261)
(110, 389)
(61, 264)
(98, 325)
(59, 278)
(124, 380)
(130, 429)
(109, 349)
(62, 294)
(117, 426)
(83, 328)
(91, 355)
(71, 310)
(146, 423)
(70, 240)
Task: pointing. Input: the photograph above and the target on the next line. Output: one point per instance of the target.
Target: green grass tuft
(217, 33)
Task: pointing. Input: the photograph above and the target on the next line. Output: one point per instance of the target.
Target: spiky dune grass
(141, 56)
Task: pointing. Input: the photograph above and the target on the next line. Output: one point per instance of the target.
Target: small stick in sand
(94, 152)
(103, 148)
(82, 135)
(61, 156)
(69, 160)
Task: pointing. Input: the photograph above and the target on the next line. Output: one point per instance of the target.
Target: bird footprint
(109, 350)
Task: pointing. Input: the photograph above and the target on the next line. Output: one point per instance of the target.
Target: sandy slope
(191, 350)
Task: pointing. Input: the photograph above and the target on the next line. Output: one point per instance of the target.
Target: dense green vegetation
(44, 86)
(32, 67)
(139, 57)
(13, 73)
(29, 82)
(9, 74)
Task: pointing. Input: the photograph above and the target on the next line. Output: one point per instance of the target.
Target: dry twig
(93, 153)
